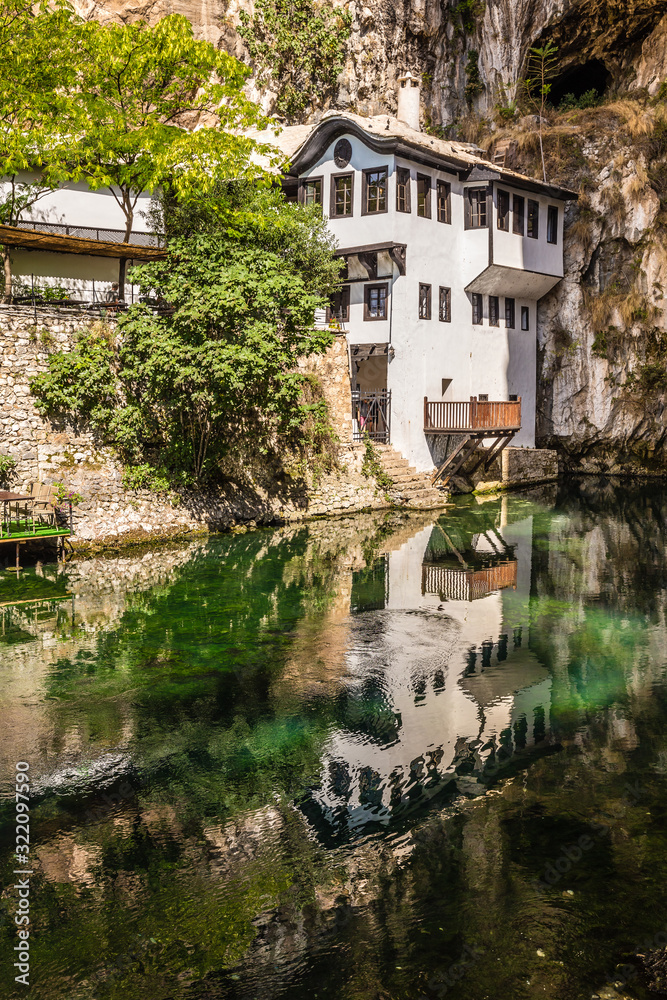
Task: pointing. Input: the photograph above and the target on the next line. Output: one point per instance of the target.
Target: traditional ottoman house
(446, 258)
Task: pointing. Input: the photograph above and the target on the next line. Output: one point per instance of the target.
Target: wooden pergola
(30, 239)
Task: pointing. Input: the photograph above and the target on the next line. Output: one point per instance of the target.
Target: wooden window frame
(304, 182)
(447, 297)
(367, 294)
(505, 218)
(525, 318)
(518, 201)
(494, 310)
(332, 202)
(533, 219)
(483, 194)
(552, 224)
(364, 190)
(443, 214)
(344, 293)
(428, 310)
(510, 313)
(404, 180)
(477, 299)
(427, 195)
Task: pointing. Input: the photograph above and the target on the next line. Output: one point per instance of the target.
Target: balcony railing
(90, 233)
(472, 417)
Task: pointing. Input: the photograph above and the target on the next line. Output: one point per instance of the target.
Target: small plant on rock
(7, 470)
(371, 467)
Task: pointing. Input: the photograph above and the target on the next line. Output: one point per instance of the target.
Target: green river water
(387, 757)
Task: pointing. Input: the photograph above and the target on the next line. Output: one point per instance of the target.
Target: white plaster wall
(477, 359)
(513, 250)
(74, 204)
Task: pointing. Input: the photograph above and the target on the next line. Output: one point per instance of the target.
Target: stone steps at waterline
(410, 488)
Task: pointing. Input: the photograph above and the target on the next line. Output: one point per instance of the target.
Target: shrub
(7, 470)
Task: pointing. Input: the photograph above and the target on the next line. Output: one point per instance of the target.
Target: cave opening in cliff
(579, 81)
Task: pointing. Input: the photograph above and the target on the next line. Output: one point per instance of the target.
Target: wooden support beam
(473, 444)
(496, 448)
(450, 458)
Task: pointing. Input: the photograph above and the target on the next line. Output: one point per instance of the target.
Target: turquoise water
(388, 756)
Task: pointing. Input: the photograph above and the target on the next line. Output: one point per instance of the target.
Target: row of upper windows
(375, 201)
(524, 223)
(375, 194)
(375, 306)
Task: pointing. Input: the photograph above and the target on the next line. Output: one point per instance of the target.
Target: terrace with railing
(474, 417)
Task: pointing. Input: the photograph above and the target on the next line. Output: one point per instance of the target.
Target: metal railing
(473, 416)
(371, 414)
(90, 233)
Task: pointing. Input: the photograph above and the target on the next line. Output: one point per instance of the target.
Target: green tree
(36, 74)
(142, 90)
(298, 49)
(541, 70)
(221, 368)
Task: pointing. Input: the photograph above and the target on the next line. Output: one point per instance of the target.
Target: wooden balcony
(485, 418)
(468, 584)
(475, 421)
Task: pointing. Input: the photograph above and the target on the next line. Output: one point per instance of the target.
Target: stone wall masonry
(110, 513)
(528, 465)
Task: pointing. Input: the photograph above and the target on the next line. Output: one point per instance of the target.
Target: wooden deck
(473, 417)
(468, 584)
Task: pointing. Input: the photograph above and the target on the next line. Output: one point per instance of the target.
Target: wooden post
(425, 412)
(122, 265)
(17, 559)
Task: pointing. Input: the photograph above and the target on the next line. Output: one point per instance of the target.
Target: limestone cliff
(603, 331)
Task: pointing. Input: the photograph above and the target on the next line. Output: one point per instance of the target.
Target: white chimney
(408, 100)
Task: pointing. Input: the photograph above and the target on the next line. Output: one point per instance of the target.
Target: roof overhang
(381, 141)
(13, 236)
(496, 279)
(362, 352)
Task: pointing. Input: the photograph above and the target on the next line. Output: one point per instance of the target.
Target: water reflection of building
(442, 692)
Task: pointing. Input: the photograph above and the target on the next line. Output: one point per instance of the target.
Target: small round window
(342, 153)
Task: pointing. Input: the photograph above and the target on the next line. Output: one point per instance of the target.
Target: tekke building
(446, 258)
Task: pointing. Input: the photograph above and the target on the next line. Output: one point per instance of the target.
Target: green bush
(589, 99)
(7, 470)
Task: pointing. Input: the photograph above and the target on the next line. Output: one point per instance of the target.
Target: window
(374, 198)
(552, 224)
(424, 301)
(375, 302)
(519, 213)
(509, 314)
(310, 191)
(483, 397)
(533, 219)
(445, 305)
(494, 311)
(476, 208)
(424, 196)
(339, 306)
(477, 309)
(504, 211)
(525, 318)
(514, 398)
(444, 197)
(342, 189)
(403, 190)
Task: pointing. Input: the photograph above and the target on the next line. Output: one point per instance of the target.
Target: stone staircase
(411, 488)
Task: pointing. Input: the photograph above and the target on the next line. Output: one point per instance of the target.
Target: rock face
(606, 321)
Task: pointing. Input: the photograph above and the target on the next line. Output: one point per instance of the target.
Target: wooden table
(7, 498)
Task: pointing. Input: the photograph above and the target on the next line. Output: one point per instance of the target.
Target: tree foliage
(542, 64)
(183, 389)
(298, 49)
(142, 90)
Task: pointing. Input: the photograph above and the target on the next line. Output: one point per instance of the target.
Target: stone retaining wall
(111, 513)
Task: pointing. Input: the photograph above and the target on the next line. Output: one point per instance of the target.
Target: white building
(71, 219)
(447, 256)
